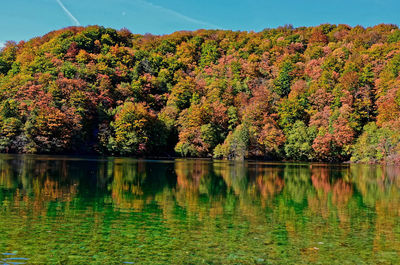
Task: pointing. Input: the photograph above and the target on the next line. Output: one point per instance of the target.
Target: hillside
(326, 93)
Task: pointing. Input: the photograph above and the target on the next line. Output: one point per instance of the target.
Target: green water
(68, 210)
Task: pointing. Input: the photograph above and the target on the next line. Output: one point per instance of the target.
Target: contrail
(178, 15)
(68, 13)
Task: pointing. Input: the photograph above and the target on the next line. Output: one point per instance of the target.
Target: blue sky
(24, 19)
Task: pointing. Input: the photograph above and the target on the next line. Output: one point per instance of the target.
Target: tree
(299, 142)
(136, 130)
(235, 145)
(377, 144)
(209, 53)
(283, 81)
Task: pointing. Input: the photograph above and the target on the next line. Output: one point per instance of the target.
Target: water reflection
(110, 211)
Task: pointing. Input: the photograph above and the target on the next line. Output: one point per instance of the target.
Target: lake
(72, 210)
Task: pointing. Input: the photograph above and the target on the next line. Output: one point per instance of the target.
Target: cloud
(177, 14)
(76, 22)
(1, 44)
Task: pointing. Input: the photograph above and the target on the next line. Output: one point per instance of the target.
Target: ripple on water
(12, 260)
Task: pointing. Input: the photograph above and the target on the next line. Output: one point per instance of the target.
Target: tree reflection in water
(198, 211)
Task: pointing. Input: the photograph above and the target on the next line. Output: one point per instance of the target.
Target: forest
(327, 93)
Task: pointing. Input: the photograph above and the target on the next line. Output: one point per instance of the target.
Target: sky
(25, 19)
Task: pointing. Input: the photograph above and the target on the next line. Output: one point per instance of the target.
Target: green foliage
(394, 37)
(10, 126)
(233, 118)
(210, 135)
(367, 76)
(166, 47)
(7, 57)
(10, 130)
(289, 112)
(4, 66)
(376, 144)
(209, 53)
(315, 52)
(298, 145)
(69, 70)
(9, 109)
(136, 130)
(185, 149)
(283, 81)
(235, 145)
(394, 65)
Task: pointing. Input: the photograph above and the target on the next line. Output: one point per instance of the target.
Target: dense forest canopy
(326, 93)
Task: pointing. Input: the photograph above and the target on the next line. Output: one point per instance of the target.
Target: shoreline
(177, 158)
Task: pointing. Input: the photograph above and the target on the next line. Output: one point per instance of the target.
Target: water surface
(69, 210)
